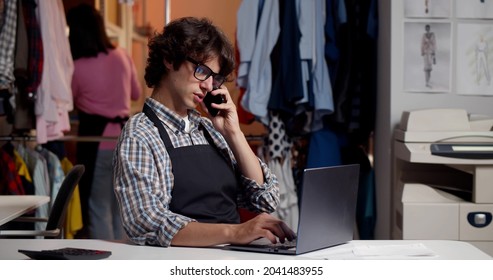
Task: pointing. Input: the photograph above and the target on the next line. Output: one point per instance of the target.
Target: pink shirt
(105, 85)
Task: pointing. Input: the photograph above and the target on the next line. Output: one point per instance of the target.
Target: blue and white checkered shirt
(143, 178)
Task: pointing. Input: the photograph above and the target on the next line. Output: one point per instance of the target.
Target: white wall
(393, 100)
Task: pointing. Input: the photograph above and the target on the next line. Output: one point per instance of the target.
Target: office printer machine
(443, 177)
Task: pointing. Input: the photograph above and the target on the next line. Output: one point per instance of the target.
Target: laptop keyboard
(278, 245)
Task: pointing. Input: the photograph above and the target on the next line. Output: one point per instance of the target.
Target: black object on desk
(465, 151)
(67, 254)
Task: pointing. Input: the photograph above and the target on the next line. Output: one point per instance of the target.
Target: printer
(443, 177)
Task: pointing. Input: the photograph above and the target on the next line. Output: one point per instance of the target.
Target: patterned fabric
(35, 64)
(7, 44)
(144, 179)
(10, 182)
(278, 145)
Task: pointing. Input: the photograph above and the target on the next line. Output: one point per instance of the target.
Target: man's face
(187, 91)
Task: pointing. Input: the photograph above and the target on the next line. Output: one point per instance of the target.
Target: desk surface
(443, 249)
(13, 206)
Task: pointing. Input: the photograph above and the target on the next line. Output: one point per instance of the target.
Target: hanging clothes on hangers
(20, 167)
(10, 182)
(287, 88)
(255, 46)
(54, 97)
(24, 66)
(39, 171)
(315, 74)
(55, 171)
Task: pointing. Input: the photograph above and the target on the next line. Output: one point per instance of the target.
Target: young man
(180, 177)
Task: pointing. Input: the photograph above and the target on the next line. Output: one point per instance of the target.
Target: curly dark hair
(188, 36)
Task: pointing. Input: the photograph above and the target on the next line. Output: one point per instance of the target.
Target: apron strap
(157, 122)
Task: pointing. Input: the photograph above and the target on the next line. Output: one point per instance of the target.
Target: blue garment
(255, 45)
(317, 88)
(287, 88)
(322, 87)
(372, 25)
(323, 149)
(335, 12)
(336, 15)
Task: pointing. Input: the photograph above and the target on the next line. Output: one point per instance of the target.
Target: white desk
(443, 249)
(13, 206)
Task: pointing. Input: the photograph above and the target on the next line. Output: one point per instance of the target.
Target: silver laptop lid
(328, 207)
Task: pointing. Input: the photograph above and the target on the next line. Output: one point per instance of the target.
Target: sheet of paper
(384, 252)
(415, 249)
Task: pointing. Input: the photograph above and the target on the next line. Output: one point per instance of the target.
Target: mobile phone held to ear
(209, 99)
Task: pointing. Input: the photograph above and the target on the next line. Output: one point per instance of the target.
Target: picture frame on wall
(474, 9)
(427, 8)
(427, 57)
(474, 59)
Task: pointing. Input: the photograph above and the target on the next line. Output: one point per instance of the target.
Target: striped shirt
(144, 180)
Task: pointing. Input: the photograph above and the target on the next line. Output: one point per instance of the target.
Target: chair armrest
(49, 233)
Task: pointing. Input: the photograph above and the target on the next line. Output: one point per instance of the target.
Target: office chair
(55, 220)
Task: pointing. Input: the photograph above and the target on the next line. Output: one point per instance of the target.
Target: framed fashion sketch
(427, 56)
(427, 8)
(474, 9)
(474, 59)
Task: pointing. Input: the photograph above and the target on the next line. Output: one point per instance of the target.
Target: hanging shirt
(255, 45)
(311, 19)
(55, 171)
(39, 171)
(54, 98)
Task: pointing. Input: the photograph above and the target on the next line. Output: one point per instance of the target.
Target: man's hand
(263, 225)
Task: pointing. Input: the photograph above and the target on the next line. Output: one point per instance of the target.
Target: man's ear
(167, 64)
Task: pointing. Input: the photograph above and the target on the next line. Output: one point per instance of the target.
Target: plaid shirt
(7, 44)
(35, 67)
(144, 180)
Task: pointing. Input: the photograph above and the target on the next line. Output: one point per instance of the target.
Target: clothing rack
(24, 138)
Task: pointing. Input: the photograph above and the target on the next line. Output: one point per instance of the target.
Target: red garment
(244, 116)
(10, 182)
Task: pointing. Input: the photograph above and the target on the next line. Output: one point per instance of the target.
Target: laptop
(327, 212)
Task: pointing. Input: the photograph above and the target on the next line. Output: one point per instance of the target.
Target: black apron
(205, 186)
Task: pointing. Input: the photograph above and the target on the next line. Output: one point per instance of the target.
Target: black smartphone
(209, 99)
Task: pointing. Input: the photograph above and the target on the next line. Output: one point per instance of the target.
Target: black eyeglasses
(202, 73)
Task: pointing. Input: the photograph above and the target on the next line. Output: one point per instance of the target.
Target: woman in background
(103, 85)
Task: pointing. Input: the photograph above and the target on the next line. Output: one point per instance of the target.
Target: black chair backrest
(57, 213)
